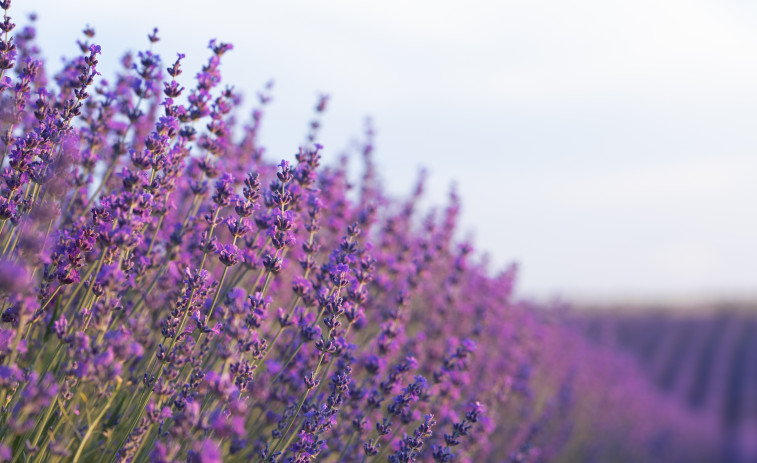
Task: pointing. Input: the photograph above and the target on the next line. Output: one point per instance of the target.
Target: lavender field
(172, 292)
(700, 358)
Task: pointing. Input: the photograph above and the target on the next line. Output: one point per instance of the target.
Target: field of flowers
(171, 293)
(702, 358)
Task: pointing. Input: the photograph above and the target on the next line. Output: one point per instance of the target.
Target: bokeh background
(607, 147)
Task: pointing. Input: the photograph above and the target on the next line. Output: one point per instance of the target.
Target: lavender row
(701, 358)
(169, 293)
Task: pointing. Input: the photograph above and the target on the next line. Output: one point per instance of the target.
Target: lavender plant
(171, 294)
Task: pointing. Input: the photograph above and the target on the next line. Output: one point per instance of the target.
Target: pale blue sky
(607, 146)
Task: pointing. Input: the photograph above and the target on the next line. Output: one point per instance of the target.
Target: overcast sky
(608, 147)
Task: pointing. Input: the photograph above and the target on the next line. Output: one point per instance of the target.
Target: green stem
(93, 426)
(161, 368)
(346, 447)
(297, 412)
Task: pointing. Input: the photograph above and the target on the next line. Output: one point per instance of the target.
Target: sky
(607, 147)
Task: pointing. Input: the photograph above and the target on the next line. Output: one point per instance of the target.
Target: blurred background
(607, 147)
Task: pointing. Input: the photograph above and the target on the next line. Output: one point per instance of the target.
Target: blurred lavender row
(700, 357)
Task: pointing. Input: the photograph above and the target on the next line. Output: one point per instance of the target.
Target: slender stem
(238, 276)
(93, 426)
(283, 367)
(143, 296)
(8, 238)
(346, 447)
(161, 368)
(89, 273)
(218, 293)
(41, 425)
(52, 296)
(155, 234)
(14, 349)
(297, 412)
